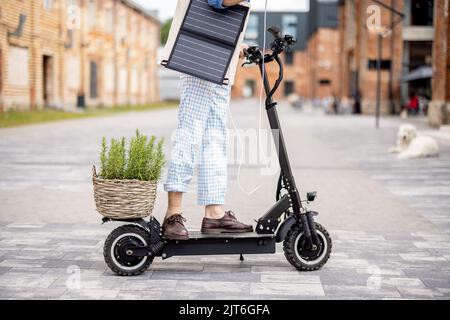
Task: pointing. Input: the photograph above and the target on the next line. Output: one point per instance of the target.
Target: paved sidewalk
(389, 219)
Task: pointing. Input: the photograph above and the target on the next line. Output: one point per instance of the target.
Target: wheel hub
(123, 254)
(309, 254)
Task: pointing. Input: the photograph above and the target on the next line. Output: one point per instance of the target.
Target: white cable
(242, 158)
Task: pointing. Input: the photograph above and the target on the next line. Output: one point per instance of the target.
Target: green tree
(165, 31)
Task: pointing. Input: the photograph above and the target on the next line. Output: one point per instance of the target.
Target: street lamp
(381, 33)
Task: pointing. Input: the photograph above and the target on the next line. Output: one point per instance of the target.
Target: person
(413, 104)
(335, 104)
(201, 139)
(357, 103)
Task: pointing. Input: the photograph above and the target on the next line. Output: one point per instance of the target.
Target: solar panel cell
(207, 40)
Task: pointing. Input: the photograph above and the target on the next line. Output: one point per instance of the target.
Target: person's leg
(174, 205)
(192, 116)
(212, 168)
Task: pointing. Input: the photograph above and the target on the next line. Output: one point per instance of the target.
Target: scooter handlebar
(275, 31)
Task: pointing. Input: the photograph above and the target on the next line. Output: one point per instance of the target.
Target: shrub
(143, 160)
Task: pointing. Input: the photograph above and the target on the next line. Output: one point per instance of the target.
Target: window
(325, 82)
(249, 88)
(290, 24)
(252, 34)
(289, 88)
(289, 57)
(48, 5)
(422, 12)
(385, 64)
(93, 80)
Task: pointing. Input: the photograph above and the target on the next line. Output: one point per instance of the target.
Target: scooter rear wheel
(303, 258)
(116, 253)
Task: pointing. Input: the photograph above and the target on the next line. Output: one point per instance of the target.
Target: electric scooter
(130, 249)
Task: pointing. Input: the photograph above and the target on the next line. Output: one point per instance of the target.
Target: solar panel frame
(191, 38)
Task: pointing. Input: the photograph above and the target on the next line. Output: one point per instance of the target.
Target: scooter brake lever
(246, 62)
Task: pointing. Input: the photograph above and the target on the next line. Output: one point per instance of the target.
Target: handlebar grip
(275, 31)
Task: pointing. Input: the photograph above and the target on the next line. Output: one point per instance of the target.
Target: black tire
(307, 260)
(115, 247)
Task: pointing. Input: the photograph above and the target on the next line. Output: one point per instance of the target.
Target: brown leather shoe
(173, 228)
(227, 224)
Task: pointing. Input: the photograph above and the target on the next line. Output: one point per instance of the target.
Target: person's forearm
(228, 3)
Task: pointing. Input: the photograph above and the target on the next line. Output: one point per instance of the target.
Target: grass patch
(13, 118)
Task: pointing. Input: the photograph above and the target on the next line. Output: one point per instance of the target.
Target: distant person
(357, 103)
(413, 104)
(335, 104)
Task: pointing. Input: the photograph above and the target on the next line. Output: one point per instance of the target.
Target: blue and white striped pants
(201, 138)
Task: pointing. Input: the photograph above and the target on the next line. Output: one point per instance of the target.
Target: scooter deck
(218, 244)
(196, 235)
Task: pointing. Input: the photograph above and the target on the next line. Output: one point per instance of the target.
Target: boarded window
(123, 74)
(134, 81)
(109, 77)
(92, 14)
(18, 72)
(109, 20)
(144, 83)
(73, 73)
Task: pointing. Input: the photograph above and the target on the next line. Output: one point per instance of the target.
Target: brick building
(439, 111)
(64, 53)
(311, 68)
(413, 57)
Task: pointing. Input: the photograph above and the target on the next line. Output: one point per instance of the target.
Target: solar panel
(207, 40)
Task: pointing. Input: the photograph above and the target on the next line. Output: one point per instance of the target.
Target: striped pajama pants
(201, 139)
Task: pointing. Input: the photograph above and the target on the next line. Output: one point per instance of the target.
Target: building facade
(68, 53)
(311, 67)
(413, 53)
(439, 110)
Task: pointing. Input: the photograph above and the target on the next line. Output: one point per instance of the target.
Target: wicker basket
(123, 199)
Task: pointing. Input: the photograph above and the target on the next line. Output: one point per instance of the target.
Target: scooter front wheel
(117, 255)
(300, 256)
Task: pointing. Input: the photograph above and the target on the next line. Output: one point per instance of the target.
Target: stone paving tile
(360, 292)
(418, 293)
(213, 286)
(291, 277)
(283, 288)
(139, 295)
(103, 294)
(3, 270)
(67, 263)
(181, 275)
(234, 276)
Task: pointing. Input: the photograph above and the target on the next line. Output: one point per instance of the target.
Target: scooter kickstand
(241, 257)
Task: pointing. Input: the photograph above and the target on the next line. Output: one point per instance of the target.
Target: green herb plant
(143, 160)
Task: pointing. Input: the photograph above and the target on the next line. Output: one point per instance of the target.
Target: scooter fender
(284, 228)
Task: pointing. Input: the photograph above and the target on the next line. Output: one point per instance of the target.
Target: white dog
(411, 145)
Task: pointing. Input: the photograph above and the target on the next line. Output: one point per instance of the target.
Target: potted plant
(125, 187)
